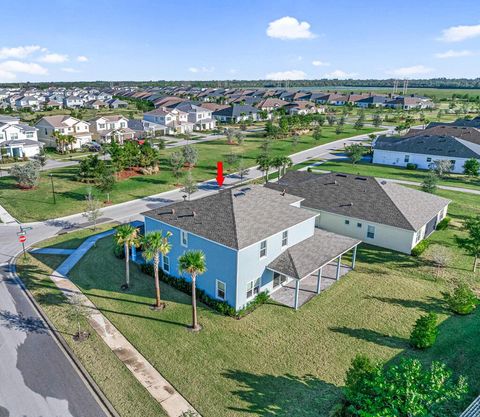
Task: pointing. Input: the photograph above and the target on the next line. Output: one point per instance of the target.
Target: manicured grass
(398, 173)
(127, 396)
(280, 362)
(37, 204)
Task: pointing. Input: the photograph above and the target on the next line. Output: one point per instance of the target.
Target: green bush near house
(420, 248)
(424, 331)
(444, 223)
(119, 251)
(411, 167)
(462, 300)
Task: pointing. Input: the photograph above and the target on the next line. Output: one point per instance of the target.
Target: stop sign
(22, 239)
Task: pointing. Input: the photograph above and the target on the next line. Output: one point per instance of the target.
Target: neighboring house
(105, 128)
(262, 237)
(17, 140)
(95, 104)
(377, 212)
(424, 148)
(373, 101)
(53, 104)
(213, 107)
(73, 102)
(409, 103)
(174, 120)
(333, 99)
(65, 125)
(201, 117)
(271, 104)
(475, 122)
(27, 102)
(143, 128)
(236, 113)
(117, 104)
(303, 107)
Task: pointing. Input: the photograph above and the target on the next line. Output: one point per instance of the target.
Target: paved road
(40, 377)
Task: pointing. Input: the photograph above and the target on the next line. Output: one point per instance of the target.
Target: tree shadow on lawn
(432, 305)
(370, 254)
(284, 395)
(373, 336)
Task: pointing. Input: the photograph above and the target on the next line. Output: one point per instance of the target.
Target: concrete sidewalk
(159, 388)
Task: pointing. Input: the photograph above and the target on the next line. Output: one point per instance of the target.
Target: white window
(166, 263)
(407, 158)
(263, 249)
(285, 238)
(221, 290)
(253, 287)
(101, 126)
(122, 124)
(278, 279)
(184, 238)
(29, 135)
(371, 232)
(13, 136)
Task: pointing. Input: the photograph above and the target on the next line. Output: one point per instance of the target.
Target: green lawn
(277, 361)
(398, 173)
(37, 204)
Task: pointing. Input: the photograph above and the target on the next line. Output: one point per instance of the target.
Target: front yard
(37, 204)
(277, 361)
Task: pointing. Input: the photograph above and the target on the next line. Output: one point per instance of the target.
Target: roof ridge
(234, 218)
(293, 263)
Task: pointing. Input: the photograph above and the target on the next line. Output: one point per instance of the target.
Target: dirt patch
(128, 173)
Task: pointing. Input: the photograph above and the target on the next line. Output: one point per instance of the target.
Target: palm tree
(194, 263)
(60, 139)
(126, 235)
(264, 164)
(154, 244)
(70, 140)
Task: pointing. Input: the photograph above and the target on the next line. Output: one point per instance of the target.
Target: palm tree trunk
(194, 303)
(127, 264)
(157, 282)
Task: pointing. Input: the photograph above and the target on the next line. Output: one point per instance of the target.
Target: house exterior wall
(224, 270)
(422, 161)
(251, 266)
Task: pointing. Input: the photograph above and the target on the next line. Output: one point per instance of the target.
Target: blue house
(255, 239)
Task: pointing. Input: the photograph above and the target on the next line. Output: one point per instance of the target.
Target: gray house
(236, 113)
(377, 212)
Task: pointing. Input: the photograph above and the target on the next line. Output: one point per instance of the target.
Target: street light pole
(53, 189)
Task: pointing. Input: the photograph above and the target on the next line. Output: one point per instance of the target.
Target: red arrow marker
(220, 177)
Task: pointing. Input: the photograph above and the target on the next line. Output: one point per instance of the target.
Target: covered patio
(311, 266)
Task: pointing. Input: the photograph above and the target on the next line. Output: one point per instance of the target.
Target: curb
(84, 375)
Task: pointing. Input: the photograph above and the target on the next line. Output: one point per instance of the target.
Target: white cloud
(460, 33)
(82, 58)
(69, 69)
(288, 27)
(453, 54)
(18, 52)
(337, 74)
(286, 75)
(319, 63)
(10, 69)
(201, 69)
(410, 71)
(53, 58)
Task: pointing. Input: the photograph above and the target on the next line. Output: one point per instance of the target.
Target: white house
(174, 120)
(377, 212)
(73, 102)
(65, 125)
(18, 140)
(200, 117)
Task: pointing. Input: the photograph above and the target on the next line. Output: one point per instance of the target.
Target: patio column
(319, 280)
(297, 290)
(354, 257)
(339, 265)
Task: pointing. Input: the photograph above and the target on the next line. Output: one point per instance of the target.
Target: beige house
(65, 125)
(377, 212)
(105, 128)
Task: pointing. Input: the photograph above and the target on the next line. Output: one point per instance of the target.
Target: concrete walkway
(159, 388)
(6, 217)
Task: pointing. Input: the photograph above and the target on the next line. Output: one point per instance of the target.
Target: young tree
(92, 209)
(424, 331)
(339, 129)
(377, 120)
(242, 168)
(295, 139)
(442, 167)
(176, 162)
(331, 119)
(190, 155)
(429, 184)
(156, 244)
(126, 235)
(106, 183)
(355, 152)
(359, 123)
(189, 185)
(471, 167)
(471, 243)
(78, 310)
(240, 137)
(193, 263)
(462, 300)
(231, 159)
(317, 133)
(27, 175)
(230, 134)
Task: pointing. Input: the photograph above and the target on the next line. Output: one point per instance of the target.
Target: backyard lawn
(397, 173)
(37, 204)
(277, 361)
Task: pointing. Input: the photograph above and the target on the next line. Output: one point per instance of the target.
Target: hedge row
(222, 307)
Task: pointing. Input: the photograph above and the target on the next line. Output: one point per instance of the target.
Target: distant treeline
(420, 83)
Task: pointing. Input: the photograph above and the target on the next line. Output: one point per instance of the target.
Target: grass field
(37, 204)
(277, 361)
(397, 173)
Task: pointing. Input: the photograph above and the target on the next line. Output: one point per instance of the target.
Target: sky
(84, 40)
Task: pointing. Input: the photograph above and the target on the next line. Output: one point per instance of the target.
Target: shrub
(424, 331)
(444, 223)
(27, 175)
(411, 166)
(420, 248)
(462, 300)
(119, 251)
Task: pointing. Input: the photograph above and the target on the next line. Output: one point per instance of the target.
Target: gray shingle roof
(233, 217)
(310, 254)
(236, 110)
(426, 144)
(364, 198)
